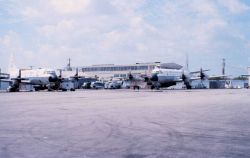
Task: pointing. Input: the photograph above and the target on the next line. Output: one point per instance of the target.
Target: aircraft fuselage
(163, 78)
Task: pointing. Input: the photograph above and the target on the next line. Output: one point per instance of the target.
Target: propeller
(146, 79)
(186, 80)
(154, 78)
(130, 76)
(76, 76)
(76, 72)
(15, 87)
(56, 82)
(203, 76)
(19, 77)
(183, 76)
(60, 79)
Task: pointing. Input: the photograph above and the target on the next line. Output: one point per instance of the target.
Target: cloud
(69, 7)
(10, 42)
(235, 6)
(115, 31)
(62, 27)
(30, 13)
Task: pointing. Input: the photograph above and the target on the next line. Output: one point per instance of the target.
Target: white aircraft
(39, 76)
(162, 77)
(40, 79)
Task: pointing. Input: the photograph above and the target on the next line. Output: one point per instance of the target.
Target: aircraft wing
(178, 80)
(26, 82)
(6, 80)
(217, 77)
(10, 81)
(196, 72)
(194, 78)
(191, 79)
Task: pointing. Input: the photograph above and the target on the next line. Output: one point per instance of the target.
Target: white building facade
(114, 71)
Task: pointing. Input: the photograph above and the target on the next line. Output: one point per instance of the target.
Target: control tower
(68, 67)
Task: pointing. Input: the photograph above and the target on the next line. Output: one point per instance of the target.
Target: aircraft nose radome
(52, 79)
(154, 77)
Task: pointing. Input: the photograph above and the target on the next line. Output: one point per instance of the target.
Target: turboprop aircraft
(162, 77)
(40, 79)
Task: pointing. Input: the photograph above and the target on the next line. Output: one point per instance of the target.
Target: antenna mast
(223, 66)
(69, 62)
(187, 63)
(69, 65)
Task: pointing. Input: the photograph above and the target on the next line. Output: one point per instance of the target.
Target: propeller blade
(60, 73)
(130, 76)
(183, 76)
(76, 72)
(20, 73)
(203, 76)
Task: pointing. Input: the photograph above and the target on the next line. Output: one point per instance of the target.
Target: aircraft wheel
(152, 87)
(136, 87)
(64, 90)
(189, 87)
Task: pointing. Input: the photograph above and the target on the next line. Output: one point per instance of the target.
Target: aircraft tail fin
(12, 68)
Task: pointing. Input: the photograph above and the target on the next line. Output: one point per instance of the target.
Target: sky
(45, 33)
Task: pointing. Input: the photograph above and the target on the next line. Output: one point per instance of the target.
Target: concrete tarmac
(125, 124)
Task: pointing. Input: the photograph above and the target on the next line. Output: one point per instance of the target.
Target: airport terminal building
(110, 70)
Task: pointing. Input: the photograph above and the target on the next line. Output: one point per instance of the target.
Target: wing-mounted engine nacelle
(154, 78)
(53, 78)
(130, 76)
(16, 82)
(203, 75)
